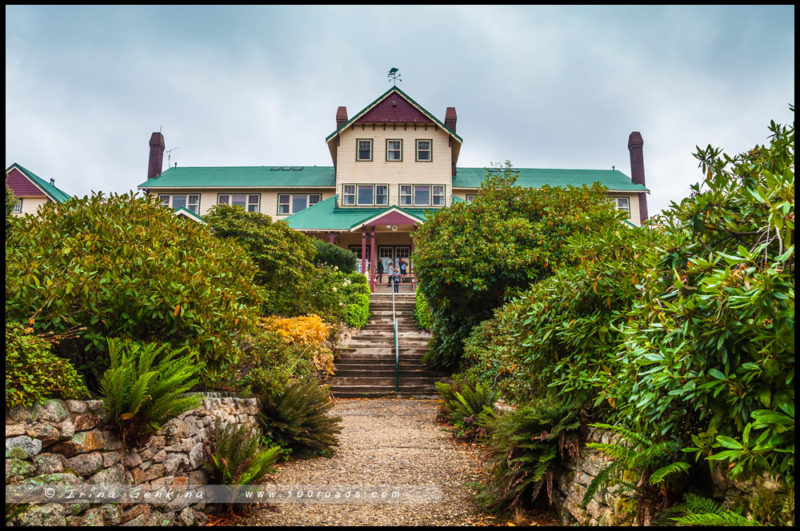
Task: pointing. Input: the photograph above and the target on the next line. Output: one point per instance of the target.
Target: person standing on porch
(396, 278)
(380, 271)
(403, 267)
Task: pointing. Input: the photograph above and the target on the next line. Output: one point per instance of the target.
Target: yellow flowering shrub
(308, 331)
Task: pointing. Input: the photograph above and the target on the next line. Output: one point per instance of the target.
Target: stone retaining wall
(63, 442)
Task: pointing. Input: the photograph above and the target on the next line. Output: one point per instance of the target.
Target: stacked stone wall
(65, 442)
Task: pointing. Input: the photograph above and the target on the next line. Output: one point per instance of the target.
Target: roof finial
(394, 76)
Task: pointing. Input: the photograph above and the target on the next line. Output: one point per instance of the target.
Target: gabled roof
(181, 211)
(326, 216)
(49, 190)
(381, 98)
(614, 180)
(244, 177)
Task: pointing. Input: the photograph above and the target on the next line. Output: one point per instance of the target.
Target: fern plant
(239, 456)
(524, 450)
(467, 407)
(145, 385)
(297, 418)
(645, 467)
(696, 510)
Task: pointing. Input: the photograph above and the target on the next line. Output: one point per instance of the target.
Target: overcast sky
(541, 86)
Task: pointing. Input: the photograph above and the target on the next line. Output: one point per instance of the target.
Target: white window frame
(252, 202)
(469, 198)
(358, 194)
(290, 204)
(18, 206)
(429, 151)
(351, 195)
(440, 195)
(398, 150)
(430, 198)
(168, 200)
(385, 194)
(409, 195)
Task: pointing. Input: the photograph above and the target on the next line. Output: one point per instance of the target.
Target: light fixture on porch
(394, 228)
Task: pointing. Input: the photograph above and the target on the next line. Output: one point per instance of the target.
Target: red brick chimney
(341, 116)
(156, 155)
(450, 118)
(635, 144)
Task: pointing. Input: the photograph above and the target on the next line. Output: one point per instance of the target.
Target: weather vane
(394, 76)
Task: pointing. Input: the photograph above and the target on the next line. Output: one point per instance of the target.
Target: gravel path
(386, 445)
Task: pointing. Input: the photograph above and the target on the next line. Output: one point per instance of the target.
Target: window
(394, 150)
(405, 194)
(363, 149)
(365, 194)
(293, 203)
(18, 206)
(438, 195)
(621, 203)
(349, 194)
(190, 202)
(381, 194)
(471, 197)
(249, 202)
(424, 150)
(422, 195)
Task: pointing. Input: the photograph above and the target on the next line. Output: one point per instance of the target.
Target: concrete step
(370, 391)
(389, 372)
(377, 352)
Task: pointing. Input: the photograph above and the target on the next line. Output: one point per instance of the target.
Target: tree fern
(705, 512)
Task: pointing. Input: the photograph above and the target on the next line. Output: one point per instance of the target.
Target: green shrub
(297, 418)
(466, 406)
(140, 393)
(238, 456)
(422, 311)
(266, 361)
(34, 374)
(121, 266)
(471, 257)
(334, 256)
(283, 257)
(525, 449)
(356, 298)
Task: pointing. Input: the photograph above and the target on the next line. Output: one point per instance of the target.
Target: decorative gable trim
(392, 216)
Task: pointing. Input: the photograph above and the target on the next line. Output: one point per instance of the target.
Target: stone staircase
(367, 367)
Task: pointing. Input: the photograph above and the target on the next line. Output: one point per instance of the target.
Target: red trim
(394, 108)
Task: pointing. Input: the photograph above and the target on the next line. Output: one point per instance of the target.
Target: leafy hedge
(122, 266)
(34, 373)
(471, 258)
(334, 256)
(681, 333)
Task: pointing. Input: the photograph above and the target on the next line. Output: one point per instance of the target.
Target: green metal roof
(244, 177)
(406, 96)
(189, 214)
(325, 215)
(536, 178)
(54, 193)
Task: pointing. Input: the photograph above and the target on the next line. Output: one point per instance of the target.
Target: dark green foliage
(267, 361)
(334, 256)
(525, 449)
(422, 312)
(236, 455)
(709, 352)
(33, 373)
(467, 406)
(283, 256)
(649, 469)
(471, 257)
(145, 386)
(704, 512)
(297, 418)
(356, 299)
(120, 266)
(10, 202)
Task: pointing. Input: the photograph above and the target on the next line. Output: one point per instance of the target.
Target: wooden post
(372, 260)
(331, 237)
(364, 249)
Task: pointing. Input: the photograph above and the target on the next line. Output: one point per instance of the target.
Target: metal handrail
(396, 350)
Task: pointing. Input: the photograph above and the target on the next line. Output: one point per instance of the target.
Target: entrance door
(391, 254)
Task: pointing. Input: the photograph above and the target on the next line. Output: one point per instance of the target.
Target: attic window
(18, 206)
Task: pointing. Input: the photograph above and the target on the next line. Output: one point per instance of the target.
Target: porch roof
(326, 216)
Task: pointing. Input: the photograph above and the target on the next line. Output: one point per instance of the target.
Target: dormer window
(364, 149)
(394, 150)
(424, 150)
